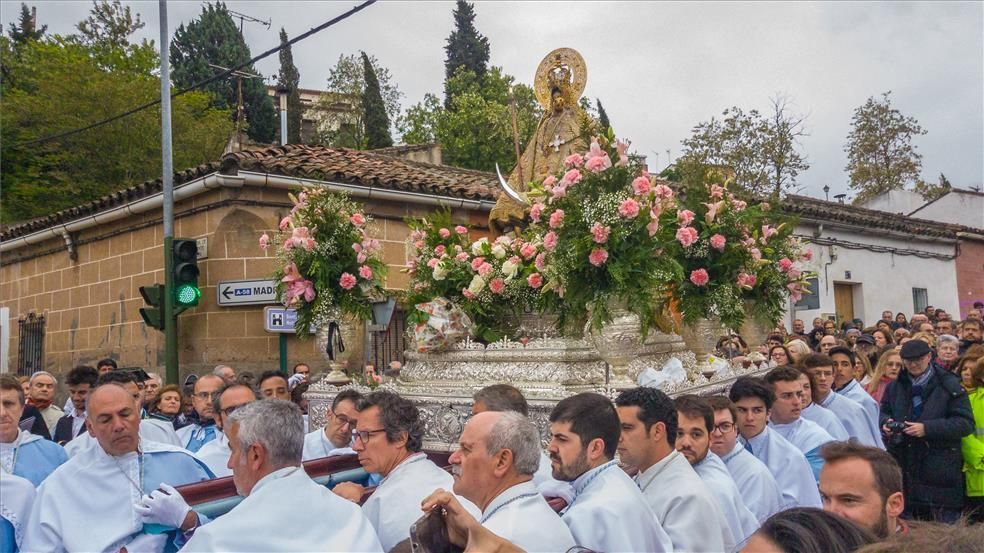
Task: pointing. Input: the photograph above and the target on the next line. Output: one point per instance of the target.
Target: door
(844, 302)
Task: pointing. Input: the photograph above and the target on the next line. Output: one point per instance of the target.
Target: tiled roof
(816, 209)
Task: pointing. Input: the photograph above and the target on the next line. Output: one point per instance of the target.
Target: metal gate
(388, 345)
(30, 345)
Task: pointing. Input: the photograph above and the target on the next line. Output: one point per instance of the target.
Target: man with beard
(669, 484)
(863, 484)
(785, 417)
(695, 419)
(608, 512)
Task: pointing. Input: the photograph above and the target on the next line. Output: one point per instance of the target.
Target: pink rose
(497, 285)
(467, 293)
(550, 241)
(558, 192)
(462, 256)
(358, 219)
(365, 272)
(717, 242)
(432, 262)
(598, 164)
(461, 229)
(477, 262)
(746, 281)
(347, 281)
(628, 208)
(439, 250)
(686, 236)
(284, 223)
(549, 181)
(573, 160)
(535, 280)
(444, 233)
(419, 244)
(600, 233)
(557, 218)
(515, 260)
(598, 257)
(663, 192)
(641, 186)
(785, 264)
(540, 262)
(699, 277)
(570, 178)
(717, 192)
(685, 217)
(485, 269)
(264, 241)
(527, 251)
(536, 211)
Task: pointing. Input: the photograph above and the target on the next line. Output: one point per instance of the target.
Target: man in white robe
(215, 454)
(266, 439)
(785, 417)
(21, 453)
(493, 468)
(16, 497)
(194, 436)
(850, 413)
(847, 386)
(683, 505)
(335, 438)
(88, 503)
(811, 410)
(753, 401)
(757, 486)
(609, 512)
(388, 437)
(695, 419)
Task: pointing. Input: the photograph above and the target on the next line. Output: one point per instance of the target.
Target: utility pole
(243, 17)
(170, 318)
(240, 110)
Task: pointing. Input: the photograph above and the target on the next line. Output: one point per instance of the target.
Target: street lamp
(826, 192)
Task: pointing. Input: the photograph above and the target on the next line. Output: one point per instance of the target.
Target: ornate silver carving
(618, 342)
(702, 338)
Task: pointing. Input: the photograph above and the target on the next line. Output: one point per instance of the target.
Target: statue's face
(557, 101)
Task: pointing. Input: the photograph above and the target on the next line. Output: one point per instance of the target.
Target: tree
(932, 192)
(466, 48)
(880, 152)
(376, 122)
(106, 33)
(214, 39)
(290, 79)
(26, 27)
(340, 112)
(783, 131)
(603, 121)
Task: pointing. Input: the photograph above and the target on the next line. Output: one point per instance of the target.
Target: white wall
(958, 208)
(895, 201)
(885, 279)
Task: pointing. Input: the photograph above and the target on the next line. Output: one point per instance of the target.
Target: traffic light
(154, 314)
(184, 264)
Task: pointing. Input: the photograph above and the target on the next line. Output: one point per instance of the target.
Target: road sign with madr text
(246, 292)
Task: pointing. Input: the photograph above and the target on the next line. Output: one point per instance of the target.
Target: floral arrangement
(492, 281)
(732, 251)
(329, 266)
(604, 224)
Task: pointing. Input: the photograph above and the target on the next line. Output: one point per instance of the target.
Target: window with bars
(388, 345)
(30, 345)
(920, 300)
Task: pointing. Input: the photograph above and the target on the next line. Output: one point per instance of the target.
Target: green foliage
(880, 153)
(341, 113)
(466, 49)
(106, 33)
(214, 39)
(290, 79)
(376, 121)
(477, 132)
(603, 121)
(931, 192)
(26, 28)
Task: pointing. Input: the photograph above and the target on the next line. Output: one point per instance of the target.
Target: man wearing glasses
(335, 438)
(194, 436)
(216, 453)
(757, 485)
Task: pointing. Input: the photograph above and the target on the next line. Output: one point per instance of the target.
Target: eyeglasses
(723, 428)
(344, 421)
(206, 395)
(364, 434)
(231, 409)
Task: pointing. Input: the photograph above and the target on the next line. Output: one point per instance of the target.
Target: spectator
(25, 383)
(797, 350)
(927, 337)
(806, 530)
(864, 485)
(780, 356)
(226, 373)
(774, 340)
(851, 336)
(900, 321)
(964, 368)
(973, 446)
(303, 368)
(297, 397)
(977, 312)
(829, 328)
(80, 381)
(826, 343)
(799, 329)
(886, 317)
(273, 385)
(105, 365)
(883, 325)
(945, 327)
(971, 331)
(917, 320)
(886, 371)
(247, 379)
(933, 538)
(41, 393)
(151, 386)
(862, 369)
(947, 347)
(900, 333)
(166, 406)
(882, 338)
(934, 412)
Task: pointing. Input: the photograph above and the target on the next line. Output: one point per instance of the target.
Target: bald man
(194, 436)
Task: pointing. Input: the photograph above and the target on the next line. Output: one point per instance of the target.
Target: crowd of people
(853, 439)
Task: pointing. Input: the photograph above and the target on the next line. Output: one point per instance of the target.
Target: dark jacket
(32, 421)
(63, 430)
(932, 465)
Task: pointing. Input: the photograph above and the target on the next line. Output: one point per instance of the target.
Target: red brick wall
(970, 274)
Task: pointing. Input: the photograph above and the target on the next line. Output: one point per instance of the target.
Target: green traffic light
(187, 294)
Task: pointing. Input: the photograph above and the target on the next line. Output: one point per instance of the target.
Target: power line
(197, 85)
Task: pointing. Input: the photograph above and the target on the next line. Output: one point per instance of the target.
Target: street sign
(246, 292)
(279, 319)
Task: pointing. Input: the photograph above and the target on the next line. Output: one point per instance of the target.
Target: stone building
(81, 269)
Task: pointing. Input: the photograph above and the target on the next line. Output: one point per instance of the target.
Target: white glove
(166, 507)
(294, 380)
(146, 543)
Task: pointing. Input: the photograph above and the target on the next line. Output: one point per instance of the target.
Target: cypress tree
(466, 47)
(290, 79)
(26, 28)
(376, 121)
(602, 116)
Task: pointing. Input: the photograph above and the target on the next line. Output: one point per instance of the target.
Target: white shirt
(789, 467)
(521, 515)
(16, 498)
(684, 506)
(827, 420)
(287, 511)
(853, 391)
(805, 434)
(715, 475)
(216, 454)
(150, 430)
(317, 445)
(610, 514)
(758, 487)
(186, 433)
(854, 418)
(78, 420)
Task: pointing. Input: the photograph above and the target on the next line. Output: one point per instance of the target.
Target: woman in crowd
(900, 321)
(926, 337)
(780, 355)
(887, 370)
(808, 530)
(882, 338)
(829, 328)
(797, 349)
(946, 352)
(973, 444)
(166, 406)
(862, 369)
(964, 368)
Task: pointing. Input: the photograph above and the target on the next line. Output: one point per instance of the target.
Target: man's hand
(294, 380)
(915, 429)
(349, 490)
(459, 521)
(145, 543)
(884, 427)
(166, 507)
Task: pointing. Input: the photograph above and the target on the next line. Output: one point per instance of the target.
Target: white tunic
(854, 417)
(609, 514)
(87, 504)
(684, 506)
(521, 515)
(196, 432)
(317, 445)
(151, 430)
(807, 436)
(548, 485)
(757, 485)
(16, 497)
(216, 454)
(287, 511)
(827, 420)
(715, 475)
(855, 392)
(789, 467)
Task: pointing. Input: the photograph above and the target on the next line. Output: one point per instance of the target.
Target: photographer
(924, 414)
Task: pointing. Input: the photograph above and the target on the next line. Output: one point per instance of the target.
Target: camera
(895, 428)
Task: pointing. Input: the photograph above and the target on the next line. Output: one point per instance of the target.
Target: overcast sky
(660, 68)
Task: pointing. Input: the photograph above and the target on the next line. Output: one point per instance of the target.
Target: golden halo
(560, 57)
